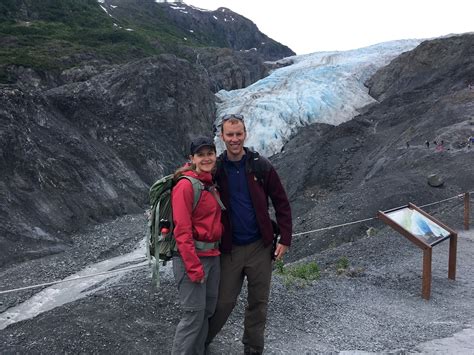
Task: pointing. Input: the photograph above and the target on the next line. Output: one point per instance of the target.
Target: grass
(342, 263)
(298, 275)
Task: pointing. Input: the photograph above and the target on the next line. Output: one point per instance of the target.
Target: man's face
(233, 135)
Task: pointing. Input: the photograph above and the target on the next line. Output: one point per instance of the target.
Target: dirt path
(374, 308)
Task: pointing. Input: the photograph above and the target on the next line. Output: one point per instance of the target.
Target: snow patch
(199, 9)
(103, 8)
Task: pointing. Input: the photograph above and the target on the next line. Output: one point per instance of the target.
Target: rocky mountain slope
(50, 42)
(82, 152)
(349, 172)
(91, 113)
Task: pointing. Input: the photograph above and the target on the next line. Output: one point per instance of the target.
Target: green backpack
(161, 244)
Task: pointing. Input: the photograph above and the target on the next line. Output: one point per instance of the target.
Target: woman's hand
(201, 281)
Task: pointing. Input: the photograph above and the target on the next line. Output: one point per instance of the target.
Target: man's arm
(282, 207)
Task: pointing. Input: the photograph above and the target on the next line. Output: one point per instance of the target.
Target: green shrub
(342, 263)
(298, 275)
(309, 271)
(279, 266)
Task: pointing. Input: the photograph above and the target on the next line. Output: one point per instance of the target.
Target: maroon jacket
(264, 183)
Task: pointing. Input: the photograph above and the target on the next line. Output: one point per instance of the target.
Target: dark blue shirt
(243, 217)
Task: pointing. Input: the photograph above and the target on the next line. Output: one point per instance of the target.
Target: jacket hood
(205, 178)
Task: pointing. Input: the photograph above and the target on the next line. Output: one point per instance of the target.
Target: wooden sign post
(425, 232)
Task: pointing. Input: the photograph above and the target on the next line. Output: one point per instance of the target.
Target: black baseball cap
(199, 142)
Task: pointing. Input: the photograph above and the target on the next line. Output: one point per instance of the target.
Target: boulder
(435, 180)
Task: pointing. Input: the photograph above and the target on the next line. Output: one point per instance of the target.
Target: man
(246, 180)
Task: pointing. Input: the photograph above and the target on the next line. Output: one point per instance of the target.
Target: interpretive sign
(419, 225)
(425, 232)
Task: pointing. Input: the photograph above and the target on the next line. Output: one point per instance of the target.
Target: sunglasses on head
(232, 115)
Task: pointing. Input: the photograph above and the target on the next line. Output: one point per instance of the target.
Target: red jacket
(203, 224)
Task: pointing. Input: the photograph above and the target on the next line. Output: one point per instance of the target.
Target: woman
(197, 232)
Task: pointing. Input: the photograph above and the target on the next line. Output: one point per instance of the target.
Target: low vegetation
(298, 275)
(59, 34)
(342, 264)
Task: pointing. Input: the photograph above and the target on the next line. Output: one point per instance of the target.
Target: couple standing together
(209, 276)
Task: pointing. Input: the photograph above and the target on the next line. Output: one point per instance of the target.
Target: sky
(309, 26)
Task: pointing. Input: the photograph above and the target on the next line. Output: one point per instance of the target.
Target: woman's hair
(180, 171)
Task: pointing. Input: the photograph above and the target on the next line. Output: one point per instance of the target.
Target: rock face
(230, 70)
(82, 39)
(436, 68)
(220, 28)
(82, 152)
(349, 172)
(86, 127)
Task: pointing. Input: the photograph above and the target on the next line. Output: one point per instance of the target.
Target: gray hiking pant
(253, 261)
(198, 302)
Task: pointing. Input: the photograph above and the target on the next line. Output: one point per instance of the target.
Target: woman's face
(204, 159)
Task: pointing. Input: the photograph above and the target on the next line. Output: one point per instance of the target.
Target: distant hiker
(408, 145)
(427, 144)
(247, 181)
(197, 232)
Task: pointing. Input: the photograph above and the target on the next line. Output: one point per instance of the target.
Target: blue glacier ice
(324, 87)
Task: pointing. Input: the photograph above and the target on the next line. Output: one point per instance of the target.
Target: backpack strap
(212, 190)
(259, 166)
(198, 186)
(205, 245)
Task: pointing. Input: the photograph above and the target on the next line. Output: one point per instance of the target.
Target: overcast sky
(308, 26)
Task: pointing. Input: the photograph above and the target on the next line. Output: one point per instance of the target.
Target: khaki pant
(198, 302)
(254, 262)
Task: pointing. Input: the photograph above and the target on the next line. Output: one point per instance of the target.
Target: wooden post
(466, 211)
(426, 283)
(453, 244)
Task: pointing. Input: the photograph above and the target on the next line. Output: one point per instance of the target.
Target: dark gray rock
(436, 68)
(435, 180)
(84, 152)
(227, 29)
(220, 28)
(229, 69)
(350, 172)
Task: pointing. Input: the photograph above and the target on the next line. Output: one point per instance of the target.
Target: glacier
(322, 87)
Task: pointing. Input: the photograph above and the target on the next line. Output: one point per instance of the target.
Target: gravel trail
(375, 306)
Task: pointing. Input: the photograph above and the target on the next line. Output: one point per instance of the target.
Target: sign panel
(418, 225)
